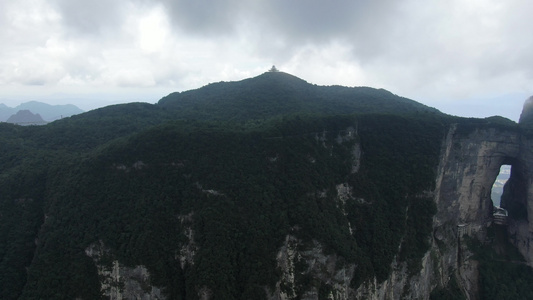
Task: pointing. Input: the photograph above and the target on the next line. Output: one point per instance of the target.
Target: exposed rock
(296, 260)
(187, 251)
(210, 191)
(205, 293)
(468, 168)
(121, 282)
(344, 192)
(356, 153)
(469, 164)
(526, 117)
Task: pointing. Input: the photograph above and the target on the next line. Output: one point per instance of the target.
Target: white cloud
(153, 31)
(431, 51)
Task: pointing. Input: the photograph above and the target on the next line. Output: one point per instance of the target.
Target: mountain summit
(273, 94)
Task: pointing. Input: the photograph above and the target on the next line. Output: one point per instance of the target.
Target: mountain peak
(26, 117)
(526, 117)
(275, 93)
(279, 75)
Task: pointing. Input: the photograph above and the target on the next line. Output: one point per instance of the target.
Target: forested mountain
(274, 94)
(266, 188)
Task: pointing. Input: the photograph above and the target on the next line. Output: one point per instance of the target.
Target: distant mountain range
(46, 111)
(26, 117)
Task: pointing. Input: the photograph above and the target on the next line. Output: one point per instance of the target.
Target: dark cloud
(318, 20)
(95, 17)
(288, 24)
(205, 17)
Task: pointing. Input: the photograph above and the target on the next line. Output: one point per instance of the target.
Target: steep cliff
(122, 282)
(470, 160)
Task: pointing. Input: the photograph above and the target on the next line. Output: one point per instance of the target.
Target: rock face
(297, 261)
(122, 282)
(520, 186)
(470, 162)
(469, 166)
(527, 112)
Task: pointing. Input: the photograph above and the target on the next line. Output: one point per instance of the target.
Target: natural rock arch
(469, 166)
(470, 162)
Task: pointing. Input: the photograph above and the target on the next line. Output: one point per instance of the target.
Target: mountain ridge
(288, 94)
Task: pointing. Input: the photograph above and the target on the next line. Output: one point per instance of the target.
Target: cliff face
(122, 282)
(469, 166)
(470, 162)
(520, 200)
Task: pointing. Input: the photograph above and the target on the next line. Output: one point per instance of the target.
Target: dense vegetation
(91, 198)
(242, 164)
(502, 271)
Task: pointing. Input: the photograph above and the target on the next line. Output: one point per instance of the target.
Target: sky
(469, 58)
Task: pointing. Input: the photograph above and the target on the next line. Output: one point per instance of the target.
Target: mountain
(25, 117)
(275, 94)
(50, 112)
(265, 188)
(46, 111)
(6, 112)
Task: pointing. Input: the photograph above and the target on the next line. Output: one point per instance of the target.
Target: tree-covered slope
(244, 192)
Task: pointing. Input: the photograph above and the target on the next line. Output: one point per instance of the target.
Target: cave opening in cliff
(514, 195)
(499, 183)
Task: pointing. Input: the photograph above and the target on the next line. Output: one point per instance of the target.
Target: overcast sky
(464, 57)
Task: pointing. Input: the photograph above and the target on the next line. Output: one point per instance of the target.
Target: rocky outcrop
(187, 251)
(306, 271)
(121, 282)
(469, 166)
(470, 163)
(519, 203)
(400, 284)
(526, 117)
